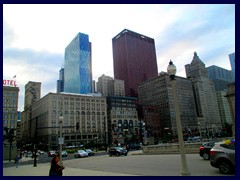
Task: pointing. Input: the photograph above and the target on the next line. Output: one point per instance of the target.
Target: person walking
(56, 168)
(17, 158)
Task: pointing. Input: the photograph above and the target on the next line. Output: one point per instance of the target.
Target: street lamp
(171, 69)
(61, 138)
(96, 138)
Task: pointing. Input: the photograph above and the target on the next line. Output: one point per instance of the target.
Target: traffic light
(77, 126)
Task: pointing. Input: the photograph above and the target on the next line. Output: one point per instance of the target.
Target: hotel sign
(9, 83)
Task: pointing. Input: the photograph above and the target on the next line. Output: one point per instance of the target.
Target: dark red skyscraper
(134, 59)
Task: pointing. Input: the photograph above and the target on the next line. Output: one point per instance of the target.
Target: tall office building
(9, 119)
(158, 92)
(60, 81)
(108, 86)
(205, 95)
(32, 95)
(78, 65)
(221, 77)
(232, 62)
(10, 106)
(134, 59)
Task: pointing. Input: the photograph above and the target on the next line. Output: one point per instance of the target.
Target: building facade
(134, 59)
(224, 108)
(10, 121)
(231, 101)
(87, 110)
(32, 95)
(221, 77)
(78, 65)
(204, 94)
(123, 122)
(10, 106)
(108, 86)
(158, 92)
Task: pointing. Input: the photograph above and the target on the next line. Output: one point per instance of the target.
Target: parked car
(117, 151)
(222, 156)
(90, 152)
(64, 153)
(40, 152)
(51, 153)
(29, 154)
(80, 154)
(194, 139)
(134, 146)
(204, 150)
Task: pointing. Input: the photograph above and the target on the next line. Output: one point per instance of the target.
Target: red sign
(9, 83)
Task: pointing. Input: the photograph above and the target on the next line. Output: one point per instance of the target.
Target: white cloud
(35, 36)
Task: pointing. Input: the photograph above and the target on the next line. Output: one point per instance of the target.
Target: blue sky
(35, 36)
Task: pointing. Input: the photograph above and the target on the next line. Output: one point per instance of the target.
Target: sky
(35, 36)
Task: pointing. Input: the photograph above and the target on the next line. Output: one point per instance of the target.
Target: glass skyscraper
(78, 65)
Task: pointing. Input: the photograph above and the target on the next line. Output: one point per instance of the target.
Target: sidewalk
(43, 170)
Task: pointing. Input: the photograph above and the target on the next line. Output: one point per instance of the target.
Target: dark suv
(117, 151)
(222, 156)
(204, 150)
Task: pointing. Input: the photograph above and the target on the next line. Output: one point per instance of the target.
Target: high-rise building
(122, 118)
(87, 110)
(134, 59)
(205, 95)
(221, 77)
(60, 81)
(78, 65)
(232, 62)
(108, 86)
(9, 118)
(32, 95)
(10, 106)
(224, 108)
(158, 92)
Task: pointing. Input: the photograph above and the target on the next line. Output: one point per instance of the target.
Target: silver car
(222, 156)
(80, 154)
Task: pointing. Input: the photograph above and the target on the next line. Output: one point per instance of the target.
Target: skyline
(34, 43)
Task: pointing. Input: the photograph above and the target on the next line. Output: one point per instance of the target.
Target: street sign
(61, 140)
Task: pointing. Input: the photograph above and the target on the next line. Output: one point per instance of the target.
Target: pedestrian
(17, 158)
(56, 168)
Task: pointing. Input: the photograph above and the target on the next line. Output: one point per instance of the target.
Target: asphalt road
(143, 165)
(146, 165)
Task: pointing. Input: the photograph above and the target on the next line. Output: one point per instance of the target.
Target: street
(146, 165)
(137, 164)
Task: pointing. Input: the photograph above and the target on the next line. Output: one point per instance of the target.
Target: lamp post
(61, 138)
(35, 144)
(171, 69)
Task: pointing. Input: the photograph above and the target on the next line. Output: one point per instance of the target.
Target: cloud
(31, 65)
(35, 51)
(203, 32)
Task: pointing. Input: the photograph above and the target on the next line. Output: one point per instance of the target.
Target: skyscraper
(60, 81)
(78, 65)
(205, 95)
(134, 59)
(108, 86)
(221, 77)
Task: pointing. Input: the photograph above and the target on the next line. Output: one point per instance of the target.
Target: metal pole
(61, 144)
(184, 171)
(35, 145)
(60, 139)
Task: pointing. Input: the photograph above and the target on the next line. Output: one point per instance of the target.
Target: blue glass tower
(78, 65)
